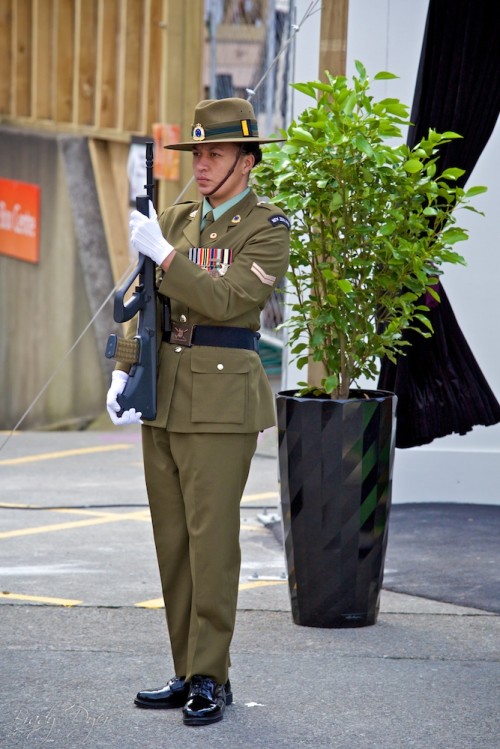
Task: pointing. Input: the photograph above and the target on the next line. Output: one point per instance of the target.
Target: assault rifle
(140, 351)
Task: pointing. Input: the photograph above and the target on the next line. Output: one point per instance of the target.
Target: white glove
(118, 382)
(146, 236)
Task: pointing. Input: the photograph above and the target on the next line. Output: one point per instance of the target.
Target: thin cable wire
(311, 10)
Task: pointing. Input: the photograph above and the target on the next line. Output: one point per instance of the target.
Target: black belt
(212, 335)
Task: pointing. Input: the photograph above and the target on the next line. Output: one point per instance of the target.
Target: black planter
(336, 460)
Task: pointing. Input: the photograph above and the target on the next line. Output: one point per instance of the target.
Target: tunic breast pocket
(220, 385)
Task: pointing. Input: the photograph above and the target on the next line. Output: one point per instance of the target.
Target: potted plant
(372, 223)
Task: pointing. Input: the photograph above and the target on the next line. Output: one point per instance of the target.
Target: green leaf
(477, 190)
(360, 68)
(350, 103)
(298, 133)
(388, 228)
(394, 106)
(450, 135)
(412, 166)
(434, 294)
(384, 75)
(452, 173)
(330, 383)
(454, 234)
(305, 88)
(299, 348)
(302, 361)
(425, 321)
(345, 285)
(326, 87)
(336, 201)
(362, 144)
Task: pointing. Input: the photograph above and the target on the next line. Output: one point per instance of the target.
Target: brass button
(178, 349)
(220, 367)
(183, 318)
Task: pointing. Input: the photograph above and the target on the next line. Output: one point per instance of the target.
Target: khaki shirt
(215, 389)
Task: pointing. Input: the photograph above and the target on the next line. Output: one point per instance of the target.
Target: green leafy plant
(372, 224)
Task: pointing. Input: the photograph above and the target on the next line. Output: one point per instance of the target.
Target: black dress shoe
(206, 702)
(174, 694)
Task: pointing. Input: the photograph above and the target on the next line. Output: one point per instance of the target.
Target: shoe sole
(149, 706)
(202, 721)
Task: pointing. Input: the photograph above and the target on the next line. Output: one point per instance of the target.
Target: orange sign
(166, 163)
(19, 220)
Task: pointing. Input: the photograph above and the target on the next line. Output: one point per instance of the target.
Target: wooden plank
(84, 83)
(118, 158)
(48, 126)
(111, 204)
(183, 86)
(41, 75)
(64, 58)
(6, 64)
(21, 58)
(155, 68)
(107, 64)
(133, 36)
(333, 37)
(144, 71)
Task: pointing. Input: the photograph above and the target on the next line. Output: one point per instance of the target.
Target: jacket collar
(229, 219)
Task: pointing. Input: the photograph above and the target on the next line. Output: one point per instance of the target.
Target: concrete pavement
(82, 628)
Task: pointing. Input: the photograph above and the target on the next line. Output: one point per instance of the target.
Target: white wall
(387, 35)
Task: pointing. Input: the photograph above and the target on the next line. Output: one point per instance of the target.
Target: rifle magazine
(125, 350)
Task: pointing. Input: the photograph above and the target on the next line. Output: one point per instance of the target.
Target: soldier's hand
(146, 236)
(131, 416)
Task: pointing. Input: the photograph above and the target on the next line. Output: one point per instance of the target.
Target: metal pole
(270, 55)
(212, 26)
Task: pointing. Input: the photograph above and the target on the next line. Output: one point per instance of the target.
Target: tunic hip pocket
(220, 385)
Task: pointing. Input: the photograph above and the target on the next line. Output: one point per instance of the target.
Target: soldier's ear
(248, 162)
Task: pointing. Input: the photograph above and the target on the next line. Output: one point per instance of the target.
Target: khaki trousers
(195, 483)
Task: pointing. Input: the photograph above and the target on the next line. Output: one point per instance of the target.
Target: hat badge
(198, 132)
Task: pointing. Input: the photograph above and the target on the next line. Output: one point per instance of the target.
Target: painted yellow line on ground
(257, 497)
(246, 527)
(41, 599)
(260, 584)
(65, 454)
(154, 603)
(111, 518)
(136, 515)
(157, 603)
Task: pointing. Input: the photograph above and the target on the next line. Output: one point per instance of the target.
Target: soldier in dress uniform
(219, 260)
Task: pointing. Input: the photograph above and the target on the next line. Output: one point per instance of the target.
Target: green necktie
(209, 219)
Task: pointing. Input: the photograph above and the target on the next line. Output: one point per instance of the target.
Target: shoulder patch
(278, 219)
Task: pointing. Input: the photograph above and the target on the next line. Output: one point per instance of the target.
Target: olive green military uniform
(212, 402)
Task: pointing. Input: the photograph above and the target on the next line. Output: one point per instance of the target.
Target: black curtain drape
(439, 384)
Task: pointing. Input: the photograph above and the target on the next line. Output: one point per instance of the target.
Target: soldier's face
(212, 162)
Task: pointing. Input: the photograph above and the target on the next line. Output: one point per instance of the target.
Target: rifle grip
(142, 204)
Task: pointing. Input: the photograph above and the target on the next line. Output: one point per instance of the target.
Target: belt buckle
(182, 333)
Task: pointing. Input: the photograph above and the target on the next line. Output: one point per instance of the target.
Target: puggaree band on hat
(230, 120)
